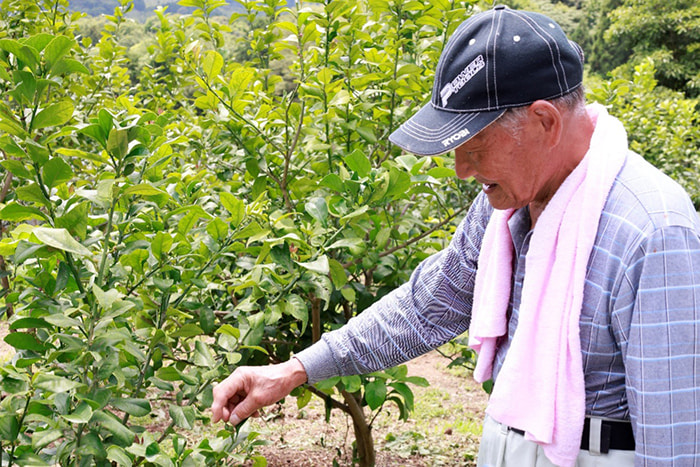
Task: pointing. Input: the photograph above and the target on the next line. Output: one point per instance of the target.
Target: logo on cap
(463, 78)
(456, 137)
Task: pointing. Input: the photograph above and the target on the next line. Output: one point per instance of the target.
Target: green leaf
(203, 355)
(318, 209)
(418, 381)
(207, 320)
(95, 131)
(81, 414)
(82, 155)
(105, 121)
(17, 168)
(75, 220)
(32, 193)
(55, 384)
(358, 162)
(55, 172)
(24, 341)
(375, 393)
(405, 392)
(123, 435)
(25, 250)
(218, 229)
(39, 41)
(296, 307)
(337, 273)
(119, 456)
(38, 153)
(441, 172)
(355, 245)
(28, 55)
(42, 438)
(169, 373)
(106, 299)
(229, 330)
(145, 189)
(61, 239)
(68, 66)
(118, 143)
(11, 126)
(367, 133)
(333, 182)
(189, 220)
(399, 183)
(57, 49)
(212, 64)
(234, 206)
(9, 428)
(55, 114)
(182, 416)
(134, 407)
(352, 383)
(152, 450)
(161, 244)
(15, 212)
(188, 330)
(29, 323)
(240, 80)
(319, 265)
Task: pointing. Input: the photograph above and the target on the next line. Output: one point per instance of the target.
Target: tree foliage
(162, 228)
(222, 203)
(624, 33)
(668, 31)
(663, 125)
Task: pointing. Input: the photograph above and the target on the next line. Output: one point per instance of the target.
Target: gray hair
(512, 120)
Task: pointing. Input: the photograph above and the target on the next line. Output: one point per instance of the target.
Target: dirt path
(443, 430)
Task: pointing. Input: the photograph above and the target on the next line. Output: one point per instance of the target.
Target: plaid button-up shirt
(640, 322)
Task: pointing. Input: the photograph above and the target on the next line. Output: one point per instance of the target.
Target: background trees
(197, 192)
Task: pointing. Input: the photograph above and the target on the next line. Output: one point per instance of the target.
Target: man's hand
(248, 389)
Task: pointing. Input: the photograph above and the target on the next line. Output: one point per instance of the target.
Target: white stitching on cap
(451, 43)
(495, 84)
(541, 33)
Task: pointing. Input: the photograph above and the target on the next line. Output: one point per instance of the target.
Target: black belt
(613, 435)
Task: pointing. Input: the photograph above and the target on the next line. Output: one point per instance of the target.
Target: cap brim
(432, 131)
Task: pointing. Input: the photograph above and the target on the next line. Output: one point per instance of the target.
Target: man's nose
(463, 168)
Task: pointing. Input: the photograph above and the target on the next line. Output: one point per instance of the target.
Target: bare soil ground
(443, 430)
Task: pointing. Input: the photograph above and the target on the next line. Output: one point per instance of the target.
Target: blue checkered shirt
(640, 322)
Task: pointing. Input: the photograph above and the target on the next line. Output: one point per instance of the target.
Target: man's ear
(548, 120)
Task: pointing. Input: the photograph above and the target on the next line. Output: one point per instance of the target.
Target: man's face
(511, 171)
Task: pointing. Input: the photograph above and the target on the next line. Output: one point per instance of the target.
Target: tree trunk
(363, 431)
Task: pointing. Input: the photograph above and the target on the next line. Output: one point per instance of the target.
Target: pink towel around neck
(540, 387)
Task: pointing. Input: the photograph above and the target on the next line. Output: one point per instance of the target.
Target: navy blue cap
(495, 60)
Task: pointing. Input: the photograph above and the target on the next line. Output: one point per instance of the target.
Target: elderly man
(575, 270)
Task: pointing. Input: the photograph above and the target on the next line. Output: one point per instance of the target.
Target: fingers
(242, 411)
(226, 396)
(248, 389)
(234, 397)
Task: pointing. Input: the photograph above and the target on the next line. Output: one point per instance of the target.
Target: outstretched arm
(248, 389)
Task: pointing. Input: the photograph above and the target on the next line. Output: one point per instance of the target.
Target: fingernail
(234, 420)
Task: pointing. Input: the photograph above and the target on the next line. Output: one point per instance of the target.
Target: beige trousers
(501, 447)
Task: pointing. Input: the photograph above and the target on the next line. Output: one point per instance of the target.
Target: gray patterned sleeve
(433, 307)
